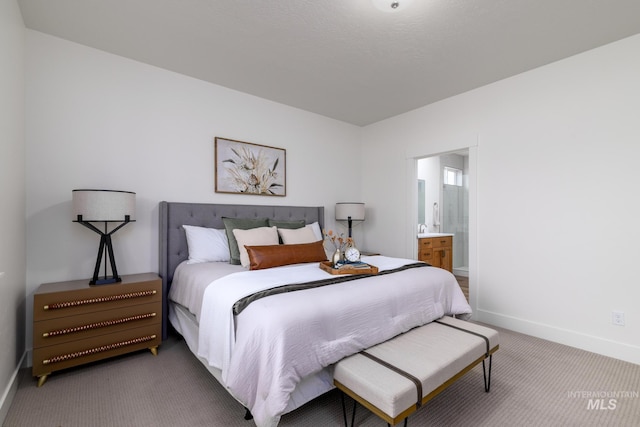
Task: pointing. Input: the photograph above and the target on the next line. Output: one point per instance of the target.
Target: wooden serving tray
(346, 269)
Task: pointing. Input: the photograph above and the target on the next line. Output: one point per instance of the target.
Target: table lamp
(104, 206)
(350, 211)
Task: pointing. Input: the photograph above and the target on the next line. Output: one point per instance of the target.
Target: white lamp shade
(354, 210)
(103, 205)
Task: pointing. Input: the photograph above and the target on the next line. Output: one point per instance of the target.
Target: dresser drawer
(425, 255)
(60, 356)
(71, 328)
(424, 244)
(442, 242)
(70, 298)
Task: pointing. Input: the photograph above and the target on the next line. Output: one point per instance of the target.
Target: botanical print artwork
(245, 168)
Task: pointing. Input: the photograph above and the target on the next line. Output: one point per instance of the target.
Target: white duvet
(266, 350)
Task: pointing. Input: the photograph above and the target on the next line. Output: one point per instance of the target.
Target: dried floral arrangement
(338, 241)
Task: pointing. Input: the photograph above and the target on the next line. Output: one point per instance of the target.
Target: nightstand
(76, 323)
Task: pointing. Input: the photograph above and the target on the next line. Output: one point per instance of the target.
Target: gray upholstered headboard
(173, 241)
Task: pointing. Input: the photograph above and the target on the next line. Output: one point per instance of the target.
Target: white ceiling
(343, 59)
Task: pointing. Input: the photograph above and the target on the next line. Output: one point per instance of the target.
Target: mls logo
(602, 404)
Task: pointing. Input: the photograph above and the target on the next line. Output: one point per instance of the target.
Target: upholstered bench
(394, 378)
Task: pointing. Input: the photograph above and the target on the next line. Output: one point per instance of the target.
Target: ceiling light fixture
(391, 5)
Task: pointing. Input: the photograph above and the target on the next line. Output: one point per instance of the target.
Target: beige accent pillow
(254, 237)
(297, 235)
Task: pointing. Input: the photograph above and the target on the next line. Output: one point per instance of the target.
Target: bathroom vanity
(436, 249)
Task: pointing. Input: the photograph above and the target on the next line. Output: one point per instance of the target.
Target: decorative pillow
(206, 244)
(261, 257)
(299, 235)
(231, 224)
(286, 224)
(254, 237)
(316, 230)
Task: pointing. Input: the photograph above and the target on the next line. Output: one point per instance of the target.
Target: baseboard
(10, 391)
(617, 350)
(27, 361)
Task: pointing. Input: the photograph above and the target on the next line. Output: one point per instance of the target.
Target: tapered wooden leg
(42, 379)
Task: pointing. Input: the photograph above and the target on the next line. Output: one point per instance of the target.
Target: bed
(274, 351)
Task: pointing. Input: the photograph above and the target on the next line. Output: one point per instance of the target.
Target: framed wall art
(246, 168)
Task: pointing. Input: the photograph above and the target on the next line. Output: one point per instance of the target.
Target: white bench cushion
(433, 353)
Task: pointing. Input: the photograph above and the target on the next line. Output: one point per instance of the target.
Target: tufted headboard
(173, 241)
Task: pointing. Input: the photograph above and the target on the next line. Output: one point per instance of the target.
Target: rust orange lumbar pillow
(268, 256)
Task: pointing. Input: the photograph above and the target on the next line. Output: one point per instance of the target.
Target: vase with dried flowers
(339, 243)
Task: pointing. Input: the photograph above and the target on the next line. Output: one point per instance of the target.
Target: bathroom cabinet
(437, 251)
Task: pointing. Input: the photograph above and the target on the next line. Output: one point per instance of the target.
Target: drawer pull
(76, 303)
(97, 325)
(75, 355)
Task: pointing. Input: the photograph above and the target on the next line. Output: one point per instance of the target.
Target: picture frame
(247, 168)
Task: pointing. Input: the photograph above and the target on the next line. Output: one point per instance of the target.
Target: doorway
(443, 202)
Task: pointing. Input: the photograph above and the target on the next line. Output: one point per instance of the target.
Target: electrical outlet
(618, 318)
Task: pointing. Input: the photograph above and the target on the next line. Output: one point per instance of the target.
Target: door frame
(412, 213)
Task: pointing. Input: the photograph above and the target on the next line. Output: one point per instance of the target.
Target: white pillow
(316, 230)
(206, 244)
(297, 235)
(254, 237)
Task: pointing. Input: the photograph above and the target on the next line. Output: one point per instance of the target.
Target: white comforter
(266, 350)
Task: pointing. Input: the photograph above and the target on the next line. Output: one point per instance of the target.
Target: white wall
(96, 120)
(553, 245)
(554, 221)
(12, 207)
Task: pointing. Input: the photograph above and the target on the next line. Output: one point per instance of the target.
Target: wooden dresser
(75, 323)
(437, 251)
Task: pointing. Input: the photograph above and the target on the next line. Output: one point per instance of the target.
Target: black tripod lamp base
(105, 281)
(105, 243)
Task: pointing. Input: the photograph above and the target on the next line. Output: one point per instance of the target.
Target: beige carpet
(534, 383)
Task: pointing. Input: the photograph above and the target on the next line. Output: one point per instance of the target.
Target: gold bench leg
(154, 350)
